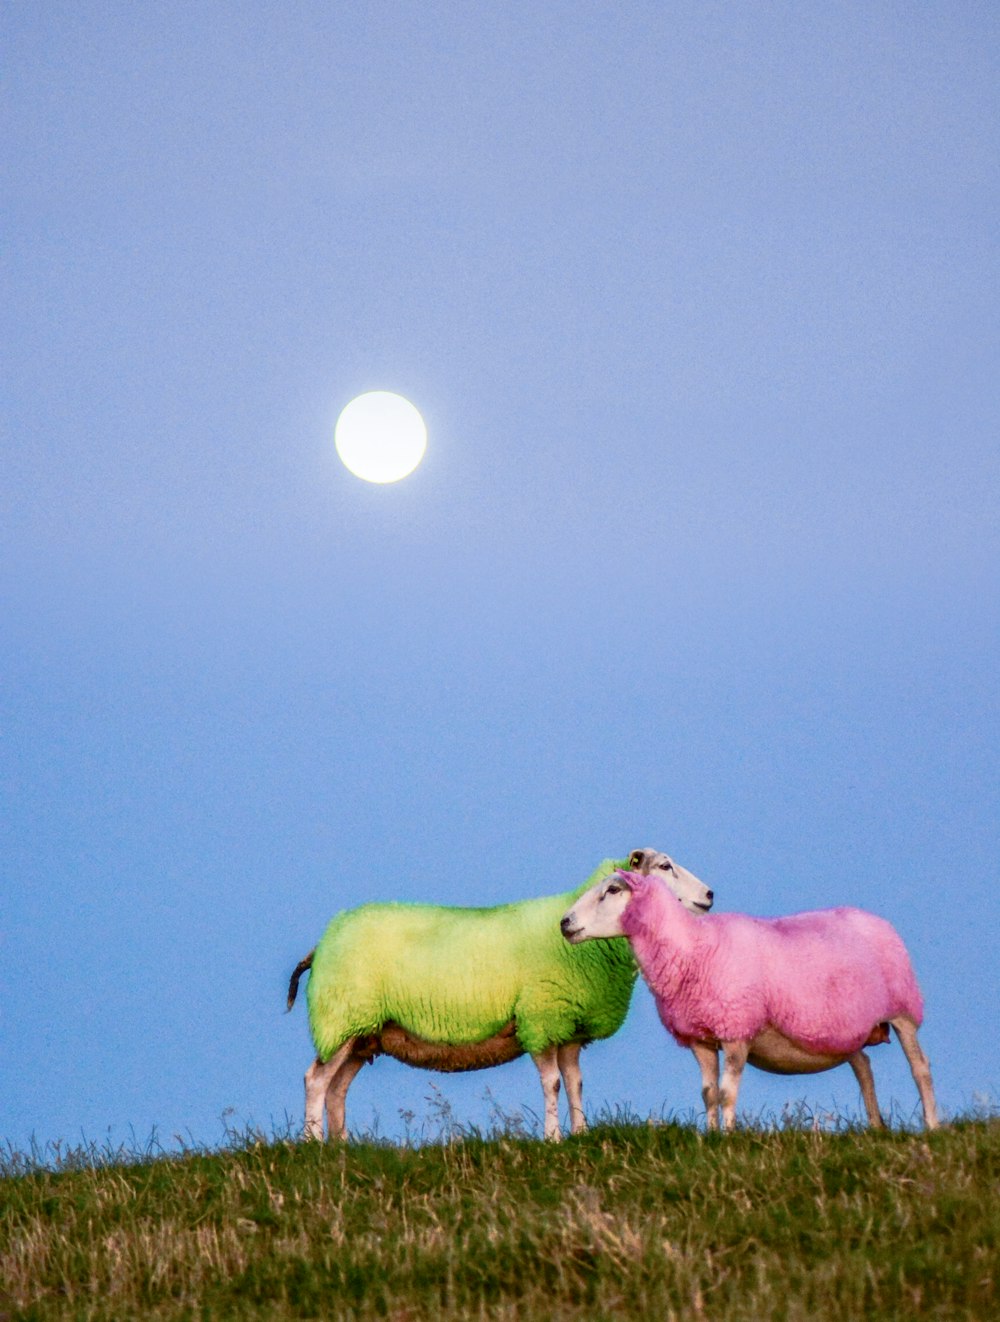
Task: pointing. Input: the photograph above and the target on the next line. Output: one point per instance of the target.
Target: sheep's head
(691, 892)
(599, 912)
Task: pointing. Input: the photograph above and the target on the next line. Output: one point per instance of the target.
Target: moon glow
(380, 437)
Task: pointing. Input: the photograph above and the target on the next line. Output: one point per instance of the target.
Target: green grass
(629, 1220)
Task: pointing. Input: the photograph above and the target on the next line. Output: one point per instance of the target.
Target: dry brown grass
(629, 1220)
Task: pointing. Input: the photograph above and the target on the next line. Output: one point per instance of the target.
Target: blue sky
(700, 303)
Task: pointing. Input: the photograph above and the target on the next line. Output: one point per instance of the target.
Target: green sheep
(453, 989)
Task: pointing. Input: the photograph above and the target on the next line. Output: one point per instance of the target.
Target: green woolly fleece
(457, 976)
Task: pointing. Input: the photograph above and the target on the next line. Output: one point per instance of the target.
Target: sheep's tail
(293, 982)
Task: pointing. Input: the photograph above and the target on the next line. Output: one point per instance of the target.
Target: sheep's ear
(628, 878)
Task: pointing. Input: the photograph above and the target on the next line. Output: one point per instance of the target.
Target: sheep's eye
(613, 890)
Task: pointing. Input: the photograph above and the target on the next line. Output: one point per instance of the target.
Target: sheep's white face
(691, 892)
(598, 912)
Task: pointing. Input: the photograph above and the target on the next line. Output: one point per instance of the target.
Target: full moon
(380, 436)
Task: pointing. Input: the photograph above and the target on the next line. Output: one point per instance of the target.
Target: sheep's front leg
(569, 1067)
(708, 1062)
(734, 1058)
(906, 1031)
(547, 1063)
(319, 1076)
(862, 1068)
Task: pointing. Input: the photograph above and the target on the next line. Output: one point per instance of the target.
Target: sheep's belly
(398, 1042)
(777, 1054)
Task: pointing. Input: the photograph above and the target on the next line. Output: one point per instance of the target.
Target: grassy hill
(626, 1221)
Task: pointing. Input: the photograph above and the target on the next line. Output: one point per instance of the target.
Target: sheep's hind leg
(336, 1097)
(547, 1063)
(862, 1068)
(568, 1056)
(708, 1062)
(319, 1076)
(906, 1031)
(734, 1058)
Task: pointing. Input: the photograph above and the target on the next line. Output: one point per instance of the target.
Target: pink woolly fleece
(824, 979)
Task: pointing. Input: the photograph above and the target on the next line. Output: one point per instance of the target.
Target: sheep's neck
(663, 935)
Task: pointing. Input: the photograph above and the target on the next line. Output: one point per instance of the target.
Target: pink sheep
(790, 995)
